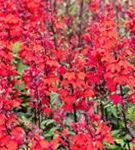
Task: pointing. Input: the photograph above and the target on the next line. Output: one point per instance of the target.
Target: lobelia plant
(67, 73)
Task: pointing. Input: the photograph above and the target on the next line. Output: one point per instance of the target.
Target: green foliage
(131, 113)
(16, 47)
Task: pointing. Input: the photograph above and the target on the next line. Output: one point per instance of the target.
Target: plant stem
(124, 117)
(102, 110)
(75, 115)
(106, 114)
(117, 117)
(80, 23)
(75, 112)
(87, 122)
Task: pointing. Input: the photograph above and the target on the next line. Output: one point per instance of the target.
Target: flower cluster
(67, 72)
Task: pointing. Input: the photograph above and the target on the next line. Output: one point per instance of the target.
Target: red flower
(117, 99)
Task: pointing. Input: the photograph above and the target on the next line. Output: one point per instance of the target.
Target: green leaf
(54, 97)
(115, 133)
(16, 47)
(25, 105)
(114, 111)
(107, 104)
(112, 147)
(50, 133)
(20, 87)
(120, 141)
(21, 68)
(47, 122)
(126, 89)
(131, 113)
